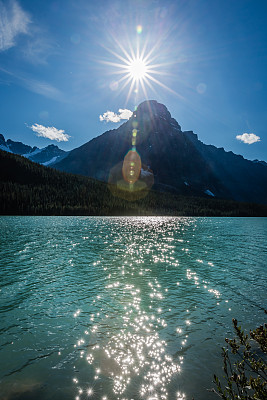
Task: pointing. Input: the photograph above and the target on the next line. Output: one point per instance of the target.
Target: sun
(138, 69)
(137, 66)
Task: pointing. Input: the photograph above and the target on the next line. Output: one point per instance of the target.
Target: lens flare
(139, 29)
(131, 167)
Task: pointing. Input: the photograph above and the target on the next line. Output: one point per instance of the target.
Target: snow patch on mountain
(50, 161)
(33, 153)
(144, 173)
(208, 192)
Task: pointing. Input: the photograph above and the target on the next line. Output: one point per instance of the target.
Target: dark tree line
(27, 188)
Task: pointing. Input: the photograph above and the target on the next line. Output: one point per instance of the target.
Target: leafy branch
(244, 365)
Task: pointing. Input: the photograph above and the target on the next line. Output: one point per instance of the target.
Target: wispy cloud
(43, 88)
(39, 47)
(50, 132)
(40, 87)
(13, 22)
(110, 116)
(248, 138)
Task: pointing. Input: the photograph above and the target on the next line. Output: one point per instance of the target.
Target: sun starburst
(138, 67)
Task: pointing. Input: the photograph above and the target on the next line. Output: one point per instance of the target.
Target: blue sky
(209, 58)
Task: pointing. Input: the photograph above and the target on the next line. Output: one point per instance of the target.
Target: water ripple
(124, 308)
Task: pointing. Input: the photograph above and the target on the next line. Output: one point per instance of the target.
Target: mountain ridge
(178, 159)
(172, 160)
(45, 156)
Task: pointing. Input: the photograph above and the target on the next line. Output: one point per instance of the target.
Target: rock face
(3, 144)
(179, 161)
(19, 147)
(46, 156)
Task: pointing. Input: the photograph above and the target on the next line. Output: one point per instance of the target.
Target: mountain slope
(46, 156)
(178, 160)
(27, 188)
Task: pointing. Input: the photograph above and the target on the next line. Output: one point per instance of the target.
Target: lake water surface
(126, 307)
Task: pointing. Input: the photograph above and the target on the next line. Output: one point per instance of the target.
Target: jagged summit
(156, 113)
(153, 108)
(52, 146)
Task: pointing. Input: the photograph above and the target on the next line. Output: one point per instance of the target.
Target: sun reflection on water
(136, 350)
(128, 344)
(126, 351)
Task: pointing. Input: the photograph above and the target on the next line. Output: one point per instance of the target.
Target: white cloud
(125, 114)
(248, 138)
(50, 132)
(13, 22)
(110, 116)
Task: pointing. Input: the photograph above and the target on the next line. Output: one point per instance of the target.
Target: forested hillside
(27, 188)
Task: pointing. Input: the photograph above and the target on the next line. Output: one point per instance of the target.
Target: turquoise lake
(124, 307)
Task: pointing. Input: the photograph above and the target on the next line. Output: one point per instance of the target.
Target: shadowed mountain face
(179, 161)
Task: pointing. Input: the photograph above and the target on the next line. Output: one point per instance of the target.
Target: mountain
(170, 159)
(27, 188)
(46, 156)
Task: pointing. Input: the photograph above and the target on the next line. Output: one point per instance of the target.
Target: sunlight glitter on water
(132, 354)
(125, 351)
(136, 352)
(124, 308)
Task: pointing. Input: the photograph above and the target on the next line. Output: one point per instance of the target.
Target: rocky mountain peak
(154, 109)
(150, 112)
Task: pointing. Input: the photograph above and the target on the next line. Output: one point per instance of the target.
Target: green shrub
(244, 365)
